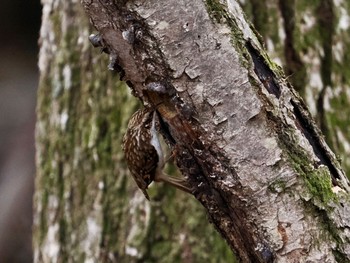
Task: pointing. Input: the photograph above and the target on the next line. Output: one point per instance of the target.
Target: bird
(143, 152)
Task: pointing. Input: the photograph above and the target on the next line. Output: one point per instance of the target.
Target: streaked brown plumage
(143, 152)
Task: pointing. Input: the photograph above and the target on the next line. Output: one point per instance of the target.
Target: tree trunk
(311, 40)
(86, 207)
(242, 137)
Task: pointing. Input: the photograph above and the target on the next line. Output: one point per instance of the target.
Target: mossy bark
(86, 207)
(310, 39)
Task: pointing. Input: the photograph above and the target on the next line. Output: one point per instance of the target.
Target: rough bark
(243, 138)
(86, 209)
(310, 39)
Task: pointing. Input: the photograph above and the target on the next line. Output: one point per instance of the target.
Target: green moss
(320, 185)
(277, 69)
(317, 181)
(277, 186)
(216, 10)
(219, 14)
(319, 196)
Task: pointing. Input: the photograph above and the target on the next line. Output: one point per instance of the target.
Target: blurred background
(19, 30)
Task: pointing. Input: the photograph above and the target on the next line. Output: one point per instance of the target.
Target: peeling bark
(243, 138)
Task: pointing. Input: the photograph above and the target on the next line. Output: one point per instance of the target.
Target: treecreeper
(144, 154)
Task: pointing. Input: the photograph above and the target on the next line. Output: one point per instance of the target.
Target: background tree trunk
(86, 207)
(250, 143)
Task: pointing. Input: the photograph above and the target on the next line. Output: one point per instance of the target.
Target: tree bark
(250, 150)
(310, 40)
(242, 136)
(86, 207)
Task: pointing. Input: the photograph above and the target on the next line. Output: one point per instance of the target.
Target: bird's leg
(159, 175)
(169, 158)
(179, 183)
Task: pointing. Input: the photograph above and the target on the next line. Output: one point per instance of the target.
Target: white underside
(155, 140)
